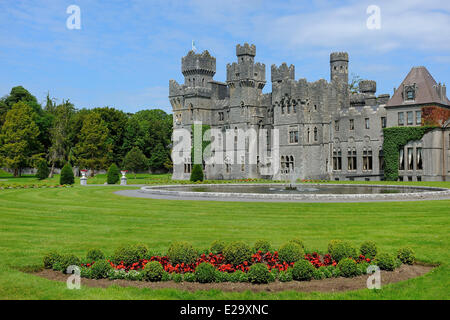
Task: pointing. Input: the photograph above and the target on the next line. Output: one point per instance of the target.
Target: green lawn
(33, 221)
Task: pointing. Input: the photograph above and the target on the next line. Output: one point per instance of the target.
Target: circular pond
(300, 192)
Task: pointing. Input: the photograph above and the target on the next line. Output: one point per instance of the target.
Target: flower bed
(130, 262)
(31, 186)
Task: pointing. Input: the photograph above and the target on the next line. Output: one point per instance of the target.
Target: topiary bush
(205, 273)
(68, 260)
(153, 271)
(217, 246)
(100, 269)
(51, 258)
(385, 261)
(259, 273)
(318, 274)
(189, 277)
(238, 276)
(368, 249)
(237, 252)
(182, 252)
(348, 268)
(285, 276)
(42, 170)
(66, 176)
(113, 175)
(129, 253)
(291, 252)
(262, 245)
(406, 255)
(95, 254)
(303, 270)
(339, 249)
(197, 173)
(299, 242)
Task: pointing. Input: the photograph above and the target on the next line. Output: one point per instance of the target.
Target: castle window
(307, 135)
(336, 125)
(383, 122)
(316, 134)
(410, 159)
(293, 134)
(352, 124)
(418, 117)
(401, 119)
(242, 163)
(381, 160)
(203, 82)
(410, 119)
(401, 165)
(367, 123)
(419, 159)
(221, 116)
(410, 94)
(351, 159)
(367, 160)
(337, 160)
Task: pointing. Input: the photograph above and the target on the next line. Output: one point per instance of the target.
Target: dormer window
(410, 93)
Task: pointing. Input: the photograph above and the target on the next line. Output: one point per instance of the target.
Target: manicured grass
(34, 221)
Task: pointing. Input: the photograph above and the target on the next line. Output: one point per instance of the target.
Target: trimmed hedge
(237, 252)
(394, 139)
(113, 175)
(129, 253)
(197, 173)
(95, 254)
(262, 245)
(68, 260)
(205, 273)
(67, 176)
(42, 170)
(291, 252)
(217, 246)
(303, 270)
(368, 249)
(153, 271)
(348, 268)
(182, 252)
(100, 269)
(406, 255)
(385, 261)
(339, 249)
(51, 258)
(259, 273)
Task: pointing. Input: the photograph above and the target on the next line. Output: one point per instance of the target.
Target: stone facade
(326, 131)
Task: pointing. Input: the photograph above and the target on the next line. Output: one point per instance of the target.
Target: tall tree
(93, 145)
(19, 138)
(59, 134)
(135, 161)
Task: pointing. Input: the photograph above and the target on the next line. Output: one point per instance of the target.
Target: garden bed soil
(405, 272)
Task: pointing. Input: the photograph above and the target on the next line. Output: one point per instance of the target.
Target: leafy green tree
(93, 144)
(59, 133)
(19, 138)
(159, 157)
(135, 161)
(197, 173)
(67, 176)
(42, 170)
(113, 174)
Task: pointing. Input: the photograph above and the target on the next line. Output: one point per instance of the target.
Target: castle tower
(282, 73)
(339, 66)
(198, 69)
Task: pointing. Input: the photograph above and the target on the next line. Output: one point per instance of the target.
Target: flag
(193, 46)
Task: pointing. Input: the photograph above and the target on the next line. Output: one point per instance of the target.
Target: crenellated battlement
(283, 72)
(246, 49)
(339, 56)
(202, 63)
(368, 86)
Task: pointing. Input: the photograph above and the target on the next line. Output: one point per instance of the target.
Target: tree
(113, 174)
(93, 144)
(67, 176)
(19, 138)
(135, 161)
(59, 133)
(159, 157)
(42, 170)
(197, 173)
(354, 83)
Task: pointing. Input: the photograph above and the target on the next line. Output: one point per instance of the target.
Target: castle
(326, 130)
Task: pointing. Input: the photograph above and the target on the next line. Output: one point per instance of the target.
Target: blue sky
(126, 51)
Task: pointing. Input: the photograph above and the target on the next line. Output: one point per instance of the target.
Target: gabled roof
(427, 89)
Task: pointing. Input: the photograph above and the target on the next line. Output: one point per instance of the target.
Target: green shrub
(285, 276)
(51, 258)
(68, 260)
(113, 175)
(299, 242)
(362, 268)
(129, 254)
(303, 270)
(95, 254)
(177, 277)
(134, 275)
(406, 255)
(217, 246)
(237, 252)
(42, 170)
(67, 176)
(368, 249)
(291, 252)
(238, 276)
(262, 245)
(385, 261)
(165, 276)
(318, 274)
(348, 268)
(153, 271)
(100, 269)
(197, 173)
(182, 252)
(339, 250)
(259, 273)
(205, 273)
(326, 272)
(189, 277)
